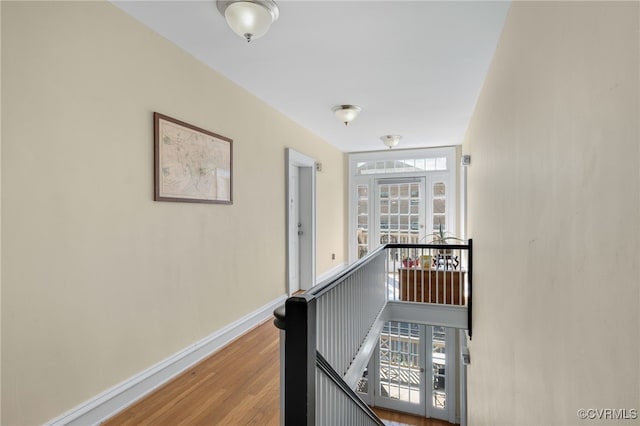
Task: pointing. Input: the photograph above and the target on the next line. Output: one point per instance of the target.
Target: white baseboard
(330, 273)
(114, 400)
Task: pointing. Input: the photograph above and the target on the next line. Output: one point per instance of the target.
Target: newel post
(300, 361)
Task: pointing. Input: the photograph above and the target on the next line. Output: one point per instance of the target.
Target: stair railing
(328, 331)
(325, 329)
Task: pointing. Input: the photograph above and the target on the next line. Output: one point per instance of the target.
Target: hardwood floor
(238, 385)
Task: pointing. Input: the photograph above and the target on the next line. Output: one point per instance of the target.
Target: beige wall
(554, 212)
(99, 281)
(0, 214)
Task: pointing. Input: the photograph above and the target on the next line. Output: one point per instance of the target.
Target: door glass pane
(438, 357)
(363, 220)
(399, 362)
(439, 189)
(404, 206)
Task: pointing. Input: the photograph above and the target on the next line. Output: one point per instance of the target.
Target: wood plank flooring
(238, 385)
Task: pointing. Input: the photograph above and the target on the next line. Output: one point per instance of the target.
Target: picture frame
(192, 165)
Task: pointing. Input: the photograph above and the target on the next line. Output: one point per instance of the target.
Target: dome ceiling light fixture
(346, 113)
(250, 19)
(391, 140)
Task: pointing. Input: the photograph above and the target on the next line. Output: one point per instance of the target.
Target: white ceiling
(415, 67)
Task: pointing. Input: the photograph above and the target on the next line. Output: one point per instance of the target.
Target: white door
(294, 230)
(301, 221)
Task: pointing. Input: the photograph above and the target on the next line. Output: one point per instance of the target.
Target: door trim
(307, 216)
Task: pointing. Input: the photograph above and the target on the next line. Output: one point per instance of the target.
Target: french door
(413, 371)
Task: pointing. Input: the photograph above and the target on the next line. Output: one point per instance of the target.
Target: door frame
(306, 198)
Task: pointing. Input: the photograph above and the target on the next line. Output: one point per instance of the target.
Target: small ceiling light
(250, 19)
(346, 113)
(391, 140)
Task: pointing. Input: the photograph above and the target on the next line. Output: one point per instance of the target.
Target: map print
(193, 165)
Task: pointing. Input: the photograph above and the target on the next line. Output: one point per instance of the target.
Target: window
(408, 165)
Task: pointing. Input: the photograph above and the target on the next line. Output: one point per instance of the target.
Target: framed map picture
(191, 164)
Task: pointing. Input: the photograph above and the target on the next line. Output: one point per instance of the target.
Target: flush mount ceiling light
(391, 140)
(346, 113)
(250, 19)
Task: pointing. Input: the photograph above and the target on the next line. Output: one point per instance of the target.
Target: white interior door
(301, 221)
(294, 229)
